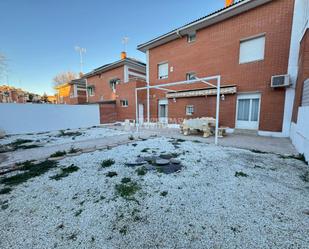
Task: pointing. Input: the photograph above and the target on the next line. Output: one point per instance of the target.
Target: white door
(141, 113)
(248, 111)
(163, 111)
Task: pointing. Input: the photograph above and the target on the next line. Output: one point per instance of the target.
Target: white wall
(300, 132)
(29, 118)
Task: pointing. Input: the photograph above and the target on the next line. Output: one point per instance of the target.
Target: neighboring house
(247, 43)
(299, 68)
(113, 87)
(72, 93)
(9, 94)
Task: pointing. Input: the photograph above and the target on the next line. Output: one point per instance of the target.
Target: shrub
(107, 163)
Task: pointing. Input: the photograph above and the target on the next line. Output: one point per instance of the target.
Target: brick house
(72, 93)
(246, 43)
(113, 85)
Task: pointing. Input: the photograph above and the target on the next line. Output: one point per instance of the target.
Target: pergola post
(204, 80)
(217, 109)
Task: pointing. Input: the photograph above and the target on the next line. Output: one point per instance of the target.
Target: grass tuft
(240, 174)
(126, 180)
(107, 163)
(65, 172)
(141, 171)
(111, 174)
(58, 154)
(127, 190)
(73, 150)
(131, 137)
(164, 193)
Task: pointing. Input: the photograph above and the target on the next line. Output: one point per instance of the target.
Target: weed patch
(240, 174)
(107, 163)
(58, 154)
(65, 172)
(30, 170)
(5, 191)
(73, 150)
(164, 193)
(18, 144)
(127, 190)
(300, 157)
(141, 171)
(258, 151)
(131, 137)
(111, 174)
(63, 133)
(125, 180)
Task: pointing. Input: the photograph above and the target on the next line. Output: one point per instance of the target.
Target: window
(189, 109)
(163, 71)
(124, 103)
(113, 83)
(191, 37)
(190, 76)
(252, 49)
(90, 91)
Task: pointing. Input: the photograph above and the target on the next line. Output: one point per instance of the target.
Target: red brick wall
(216, 51)
(303, 73)
(127, 91)
(102, 86)
(108, 113)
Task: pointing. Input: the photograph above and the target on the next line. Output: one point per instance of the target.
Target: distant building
(9, 94)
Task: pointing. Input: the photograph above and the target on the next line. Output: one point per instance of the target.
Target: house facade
(113, 85)
(246, 43)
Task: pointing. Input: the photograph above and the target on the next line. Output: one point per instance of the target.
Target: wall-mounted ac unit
(280, 80)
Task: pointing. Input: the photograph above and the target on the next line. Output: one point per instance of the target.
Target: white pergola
(162, 87)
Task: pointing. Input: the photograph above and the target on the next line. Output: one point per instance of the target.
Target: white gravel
(206, 206)
(53, 138)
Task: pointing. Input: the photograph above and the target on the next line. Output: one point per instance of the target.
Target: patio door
(248, 111)
(163, 111)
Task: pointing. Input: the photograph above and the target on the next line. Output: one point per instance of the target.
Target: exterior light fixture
(174, 99)
(222, 97)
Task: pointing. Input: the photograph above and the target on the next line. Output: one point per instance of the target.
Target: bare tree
(64, 77)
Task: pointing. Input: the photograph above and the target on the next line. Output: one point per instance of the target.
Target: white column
(148, 90)
(217, 109)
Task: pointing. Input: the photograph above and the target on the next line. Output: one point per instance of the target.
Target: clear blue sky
(38, 36)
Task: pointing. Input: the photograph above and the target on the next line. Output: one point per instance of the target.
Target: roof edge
(213, 18)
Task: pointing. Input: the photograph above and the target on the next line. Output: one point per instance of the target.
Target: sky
(38, 36)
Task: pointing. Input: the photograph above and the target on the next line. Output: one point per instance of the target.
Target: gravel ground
(53, 138)
(222, 198)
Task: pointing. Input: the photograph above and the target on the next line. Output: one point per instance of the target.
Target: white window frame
(113, 86)
(245, 47)
(189, 75)
(90, 93)
(191, 37)
(162, 77)
(189, 110)
(124, 103)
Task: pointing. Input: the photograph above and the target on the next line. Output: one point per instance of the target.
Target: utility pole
(81, 51)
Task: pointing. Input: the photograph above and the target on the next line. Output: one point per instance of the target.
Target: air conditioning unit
(280, 80)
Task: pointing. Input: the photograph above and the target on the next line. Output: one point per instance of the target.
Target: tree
(64, 77)
(44, 98)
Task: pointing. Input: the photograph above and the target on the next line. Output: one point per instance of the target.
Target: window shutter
(252, 50)
(163, 70)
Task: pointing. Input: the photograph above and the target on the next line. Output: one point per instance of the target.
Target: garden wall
(30, 118)
(300, 131)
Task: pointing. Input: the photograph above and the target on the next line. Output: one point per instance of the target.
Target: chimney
(228, 3)
(123, 55)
